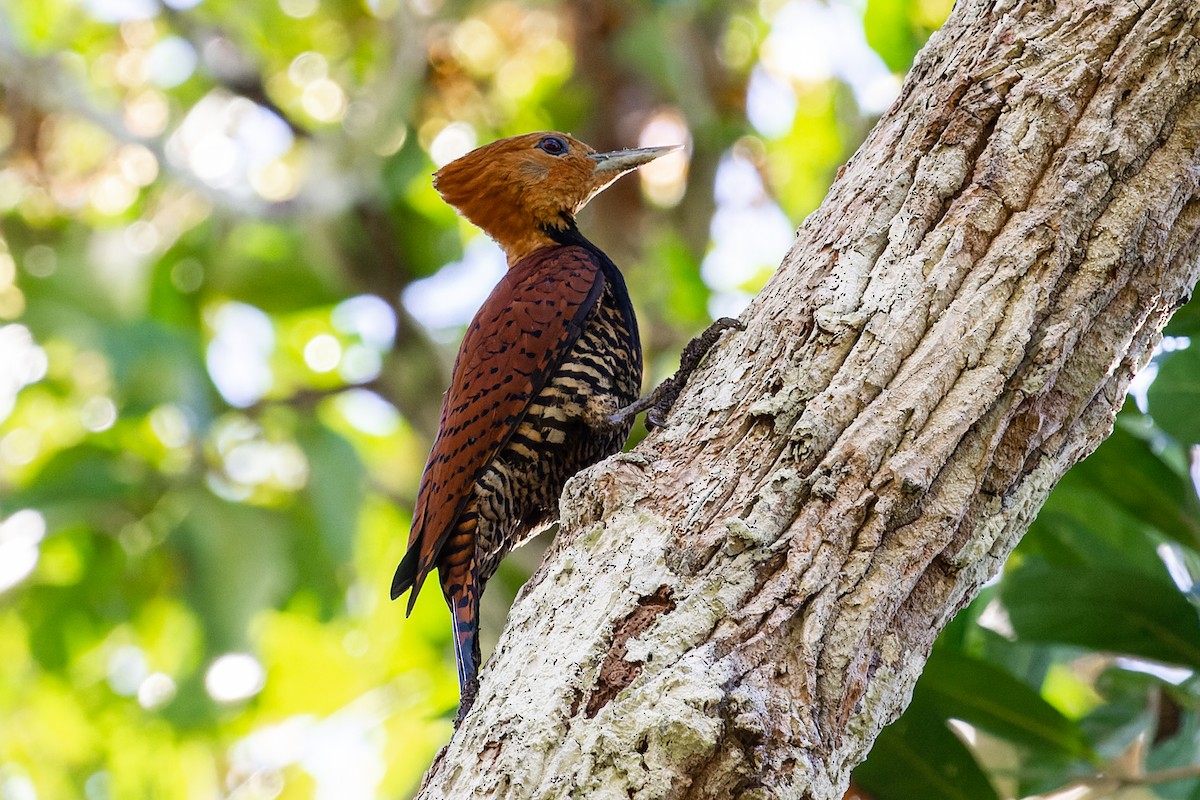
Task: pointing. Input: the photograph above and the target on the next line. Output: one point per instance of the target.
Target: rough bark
(738, 606)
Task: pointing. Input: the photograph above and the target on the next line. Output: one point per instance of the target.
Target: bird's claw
(615, 421)
(724, 323)
(466, 700)
(620, 418)
(656, 417)
(658, 404)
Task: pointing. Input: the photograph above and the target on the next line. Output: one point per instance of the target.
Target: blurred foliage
(229, 297)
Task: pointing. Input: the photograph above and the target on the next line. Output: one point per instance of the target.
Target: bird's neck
(517, 248)
(520, 243)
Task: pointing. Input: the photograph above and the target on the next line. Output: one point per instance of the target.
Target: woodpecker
(546, 380)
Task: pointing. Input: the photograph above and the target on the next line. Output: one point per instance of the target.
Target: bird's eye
(553, 145)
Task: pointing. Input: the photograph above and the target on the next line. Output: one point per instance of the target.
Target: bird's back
(518, 491)
(556, 337)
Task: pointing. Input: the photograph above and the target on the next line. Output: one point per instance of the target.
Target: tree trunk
(738, 606)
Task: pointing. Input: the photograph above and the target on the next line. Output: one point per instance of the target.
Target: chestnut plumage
(549, 358)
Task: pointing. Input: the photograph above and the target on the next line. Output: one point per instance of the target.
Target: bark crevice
(616, 672)
(953, 329)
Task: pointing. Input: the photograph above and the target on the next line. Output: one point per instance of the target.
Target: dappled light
(229, 301)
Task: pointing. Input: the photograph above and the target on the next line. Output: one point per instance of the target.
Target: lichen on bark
(953, 329)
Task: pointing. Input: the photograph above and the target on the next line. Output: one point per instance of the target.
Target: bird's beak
(621, 161)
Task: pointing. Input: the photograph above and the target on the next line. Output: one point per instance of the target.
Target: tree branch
(1101, 786)
(736, 608)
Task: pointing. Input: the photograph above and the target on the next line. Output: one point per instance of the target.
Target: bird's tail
(460, 584)
(406, 575)
(466, 648)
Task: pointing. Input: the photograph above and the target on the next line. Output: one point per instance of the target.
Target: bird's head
(522, 189)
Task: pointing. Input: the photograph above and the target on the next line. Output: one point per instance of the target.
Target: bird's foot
(623, 418)
(658, 403)
(466, 700)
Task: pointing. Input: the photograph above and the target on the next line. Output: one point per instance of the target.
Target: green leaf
(272, 267)
(155, 364)
(76, 481)
(1080, 528)
(1174, 396)
(335, 488)
(1125, 715)
(1103, 608)
(1128, 473)
(671, 285)
(1114, 508)
(918, 756)
(65, 621)
(890, 33)
(1185, 321)
(986, 696)
(1177, 750)
(325, 520)
(237, 565)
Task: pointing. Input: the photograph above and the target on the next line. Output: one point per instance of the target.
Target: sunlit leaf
(891, 33)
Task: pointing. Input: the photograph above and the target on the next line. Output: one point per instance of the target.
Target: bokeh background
(229, 299)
